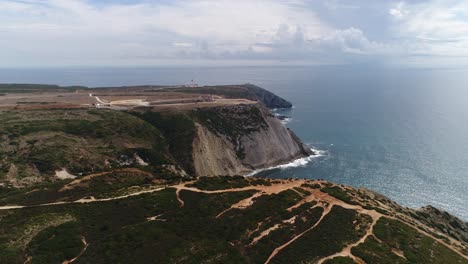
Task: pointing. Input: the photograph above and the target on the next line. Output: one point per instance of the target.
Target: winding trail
(278, 249)
(323, 200)
(90, 199)
(346, 251)
(83, 239)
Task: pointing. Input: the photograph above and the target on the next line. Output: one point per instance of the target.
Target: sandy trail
(83, 239)
(262, 189)
(346, 251)
(76, 182)
(182, 203)
(264, 234)
(322, 197)
(242, 204)
(278, 249)
(324, 200)
(90, 199)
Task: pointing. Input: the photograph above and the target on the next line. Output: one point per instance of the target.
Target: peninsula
(154, 174)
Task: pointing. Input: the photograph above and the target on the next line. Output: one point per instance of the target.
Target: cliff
(82, 185)
(268, 98)
(245, 91)
(47, 145)
(237, 140)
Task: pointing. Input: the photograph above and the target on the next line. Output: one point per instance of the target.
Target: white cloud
(79, 32)
(337, 4)
(183, 44)
(434, 28)
(399, 11)
(77, 29)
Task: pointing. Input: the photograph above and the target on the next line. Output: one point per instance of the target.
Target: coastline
(300, 162)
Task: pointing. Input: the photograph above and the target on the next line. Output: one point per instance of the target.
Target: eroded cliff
(236, 140)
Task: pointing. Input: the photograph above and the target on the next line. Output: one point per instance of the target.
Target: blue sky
(35, 33)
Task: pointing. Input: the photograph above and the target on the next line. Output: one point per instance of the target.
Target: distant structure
(206, 98)
(193, 84)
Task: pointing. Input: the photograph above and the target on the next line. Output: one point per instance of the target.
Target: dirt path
(83, 239)
(278, 249)
(262, 189)
(346, 252)
(323, 200)
(77, 182)
(182, 203)
(322, 197)
(242, 204)
(90, 199)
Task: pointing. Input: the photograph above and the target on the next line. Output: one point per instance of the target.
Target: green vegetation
(225, 91)
(335, 231)
(371, 251)
(246, 91)
(28, 88)
(273, 206)
(339, 193)
(112, 226)
(55, 244)
(312, 186)
(179, 131)
(108, 185)
(342, 260)
(305, 218)
(220, 183)
(38, 142)
(416, 247)
(233, 123)
(128, 153)
(204, 230)
(260, 181)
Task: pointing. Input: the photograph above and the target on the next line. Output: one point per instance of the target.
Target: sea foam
(301, 162)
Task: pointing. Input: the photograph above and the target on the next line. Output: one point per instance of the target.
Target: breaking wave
(301, 162)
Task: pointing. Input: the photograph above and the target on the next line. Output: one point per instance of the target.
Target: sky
(43, 33)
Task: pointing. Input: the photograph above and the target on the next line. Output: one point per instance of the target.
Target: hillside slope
(221, 220)
(43, 145)
(95, 185)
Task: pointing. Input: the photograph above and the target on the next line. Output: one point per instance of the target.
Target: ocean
(400, 132)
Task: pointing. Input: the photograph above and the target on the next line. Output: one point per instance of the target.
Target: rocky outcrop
(268, 98)
(443, 222)
(253, 139)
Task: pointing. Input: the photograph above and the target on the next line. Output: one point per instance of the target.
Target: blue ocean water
(401, 132)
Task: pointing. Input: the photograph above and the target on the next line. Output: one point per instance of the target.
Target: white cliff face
(271, 145)
(214, 155)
